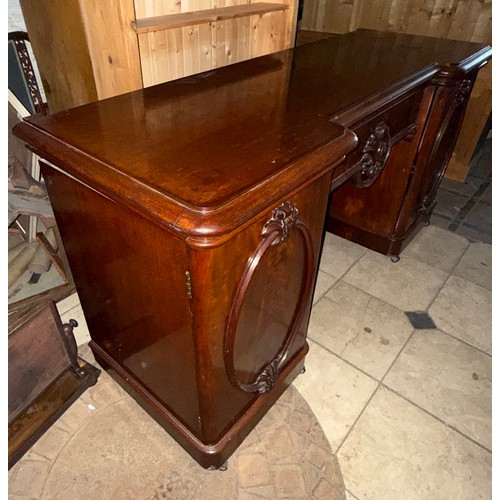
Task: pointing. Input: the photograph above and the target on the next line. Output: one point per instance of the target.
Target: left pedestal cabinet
(194, 258)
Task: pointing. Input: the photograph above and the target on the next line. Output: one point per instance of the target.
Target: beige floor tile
(335, 391)
(323, 284)
(463, 309)
(410, 285)
(339, 255)
(359, 328)
(397, 451)
(349, 496)
(29, 478)
(68, 303)
(449, 379)
(476, 265)
(437, 247)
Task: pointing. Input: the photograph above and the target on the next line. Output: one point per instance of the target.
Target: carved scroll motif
(463, 91)
(375, 154)
(19, 39)
(282, 222)
(459, 99)
(276, 230)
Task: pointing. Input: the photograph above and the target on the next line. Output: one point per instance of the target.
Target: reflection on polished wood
(193, 212)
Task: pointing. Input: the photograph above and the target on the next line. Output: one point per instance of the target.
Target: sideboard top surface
(202, 146)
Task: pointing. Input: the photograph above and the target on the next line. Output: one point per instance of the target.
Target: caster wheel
(222, 468)
(303, 370)
(395, 258)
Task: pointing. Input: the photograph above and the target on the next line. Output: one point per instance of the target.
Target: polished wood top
(193, 152)
(335, 74)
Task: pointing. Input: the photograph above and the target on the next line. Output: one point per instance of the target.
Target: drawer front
(380, 167)
(377, 136)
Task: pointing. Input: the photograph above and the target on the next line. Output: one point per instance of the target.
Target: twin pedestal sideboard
(193, 212)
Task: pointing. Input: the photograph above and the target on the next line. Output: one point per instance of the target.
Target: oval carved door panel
(269, 302)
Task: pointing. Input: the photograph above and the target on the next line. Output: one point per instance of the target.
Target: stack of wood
(28, 197)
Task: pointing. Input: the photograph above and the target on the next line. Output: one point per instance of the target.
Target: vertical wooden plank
(59, 44)
(466, 16)
(175, 53)
(483, 28)
(113, 46)
(150, 64)
(476, 116)
(261, 35)
(440, 19)
(197, 49)
(244, 34)
(225, 43)
(197, 40)
(309, 16)
(456, 19)
(151, 8)
(357, 7)
(337, 16)
(291, 23)
(374, 14)
(416, 17)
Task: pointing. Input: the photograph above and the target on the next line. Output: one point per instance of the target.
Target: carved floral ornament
(276, 230)
(282, 222)
(375, 154)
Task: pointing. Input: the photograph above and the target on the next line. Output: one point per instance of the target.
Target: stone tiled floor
(465, 207)
(105, 447)
(407, 411)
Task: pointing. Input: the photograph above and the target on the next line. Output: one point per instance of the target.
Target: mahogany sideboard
(193, 212)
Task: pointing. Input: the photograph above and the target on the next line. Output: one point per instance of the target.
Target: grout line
(436, 417)
(481, 189)
(440, 290)
(357, 419)
(310, 339)
(347, 270)
(465, 210)
(450, 273)
(466, 343)
(379, 384)
(476, 228)
(351, 493)
(329, 288)
(398, 354)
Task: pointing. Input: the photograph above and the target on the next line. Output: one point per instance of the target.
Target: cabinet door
(251, 299)
(435, 150)
(130, 278)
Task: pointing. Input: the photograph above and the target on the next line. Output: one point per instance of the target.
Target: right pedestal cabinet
(402, 156)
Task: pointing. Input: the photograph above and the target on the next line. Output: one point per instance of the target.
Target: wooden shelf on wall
(183, 19)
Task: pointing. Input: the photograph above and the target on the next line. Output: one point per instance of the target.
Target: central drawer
(377, 135)
(366, 209)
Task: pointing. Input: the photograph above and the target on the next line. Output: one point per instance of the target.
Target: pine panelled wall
(89, 50)
(168, 54)
(468, 20)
